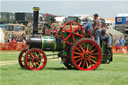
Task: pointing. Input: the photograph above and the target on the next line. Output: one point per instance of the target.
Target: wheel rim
(86, 55)
(72, 32)
(21, 57)
(35, 59)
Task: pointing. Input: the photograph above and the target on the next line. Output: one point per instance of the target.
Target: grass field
(115, 73)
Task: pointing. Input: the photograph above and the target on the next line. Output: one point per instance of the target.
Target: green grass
(8, 55)
(115, 73)
(13, 55)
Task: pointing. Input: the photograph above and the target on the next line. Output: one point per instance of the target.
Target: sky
(105, 8)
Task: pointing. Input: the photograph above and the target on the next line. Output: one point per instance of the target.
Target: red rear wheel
(35, 59)
(72, 29)
(21, 57)
(86, 54)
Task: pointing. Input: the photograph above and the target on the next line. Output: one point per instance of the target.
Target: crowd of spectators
(14, 38)
(121, 42)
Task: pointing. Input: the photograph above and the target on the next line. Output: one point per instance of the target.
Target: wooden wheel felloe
(86, 54)
(72, 29)
(21, 57)
(35, 59)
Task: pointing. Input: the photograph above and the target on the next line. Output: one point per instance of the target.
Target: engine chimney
(35, 20)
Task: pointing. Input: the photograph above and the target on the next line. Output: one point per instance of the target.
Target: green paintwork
(49, 43)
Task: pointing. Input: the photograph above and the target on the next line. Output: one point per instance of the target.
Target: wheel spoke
(41, 61)
(78, 34)
(78, 49)
(81, 48)
(71, 26)
(77, 56)
(29, 58)
(32, 64)
(91, 47)
(76, 28)
(29, 61)
(84, 63)
(95, 53)
(93, 57)
(32, 55)
(76, 53)
(73, 37)
(93, 50)
(67, 36)
(38, 55)
(80, 63)
(37, 63)
(35, 53)
(92, 60)
(41, 58)
(87, 64)
(87, 48)
(79, 59)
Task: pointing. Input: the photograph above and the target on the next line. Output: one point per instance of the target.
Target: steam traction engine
(76, 51)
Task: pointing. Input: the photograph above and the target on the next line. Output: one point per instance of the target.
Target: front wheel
(35, 59)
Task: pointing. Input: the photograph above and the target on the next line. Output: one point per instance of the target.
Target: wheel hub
(35, 59)
(72, 32)
(86, 55)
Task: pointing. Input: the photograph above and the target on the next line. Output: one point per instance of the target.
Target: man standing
(96, 27)
(106, 36)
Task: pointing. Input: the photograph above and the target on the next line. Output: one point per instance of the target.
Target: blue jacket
(87, 25)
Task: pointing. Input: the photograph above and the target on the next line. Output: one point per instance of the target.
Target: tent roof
(115, 33)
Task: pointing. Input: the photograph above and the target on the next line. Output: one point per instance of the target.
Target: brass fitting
(36, 8)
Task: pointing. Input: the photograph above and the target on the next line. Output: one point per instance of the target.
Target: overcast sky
(104, 8)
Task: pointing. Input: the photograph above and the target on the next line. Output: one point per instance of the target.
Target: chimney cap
(36, 8)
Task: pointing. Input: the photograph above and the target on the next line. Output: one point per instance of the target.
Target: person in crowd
(14, 38)
(126, 41)
(24, 37)
(6, 37)
(106, 36)
(116, 42)
(96, 29)
(29, 25)
(121, 40)
(127, 22)
(87, 26)
(11, 37)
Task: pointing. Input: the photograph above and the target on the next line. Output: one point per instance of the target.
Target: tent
(115, 33)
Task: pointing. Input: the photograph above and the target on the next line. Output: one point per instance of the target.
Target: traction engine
(75, 50)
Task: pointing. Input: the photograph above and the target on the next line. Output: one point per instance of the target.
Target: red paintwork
(70, 31)
(21, 62)
(34, 56)
(87, 51)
